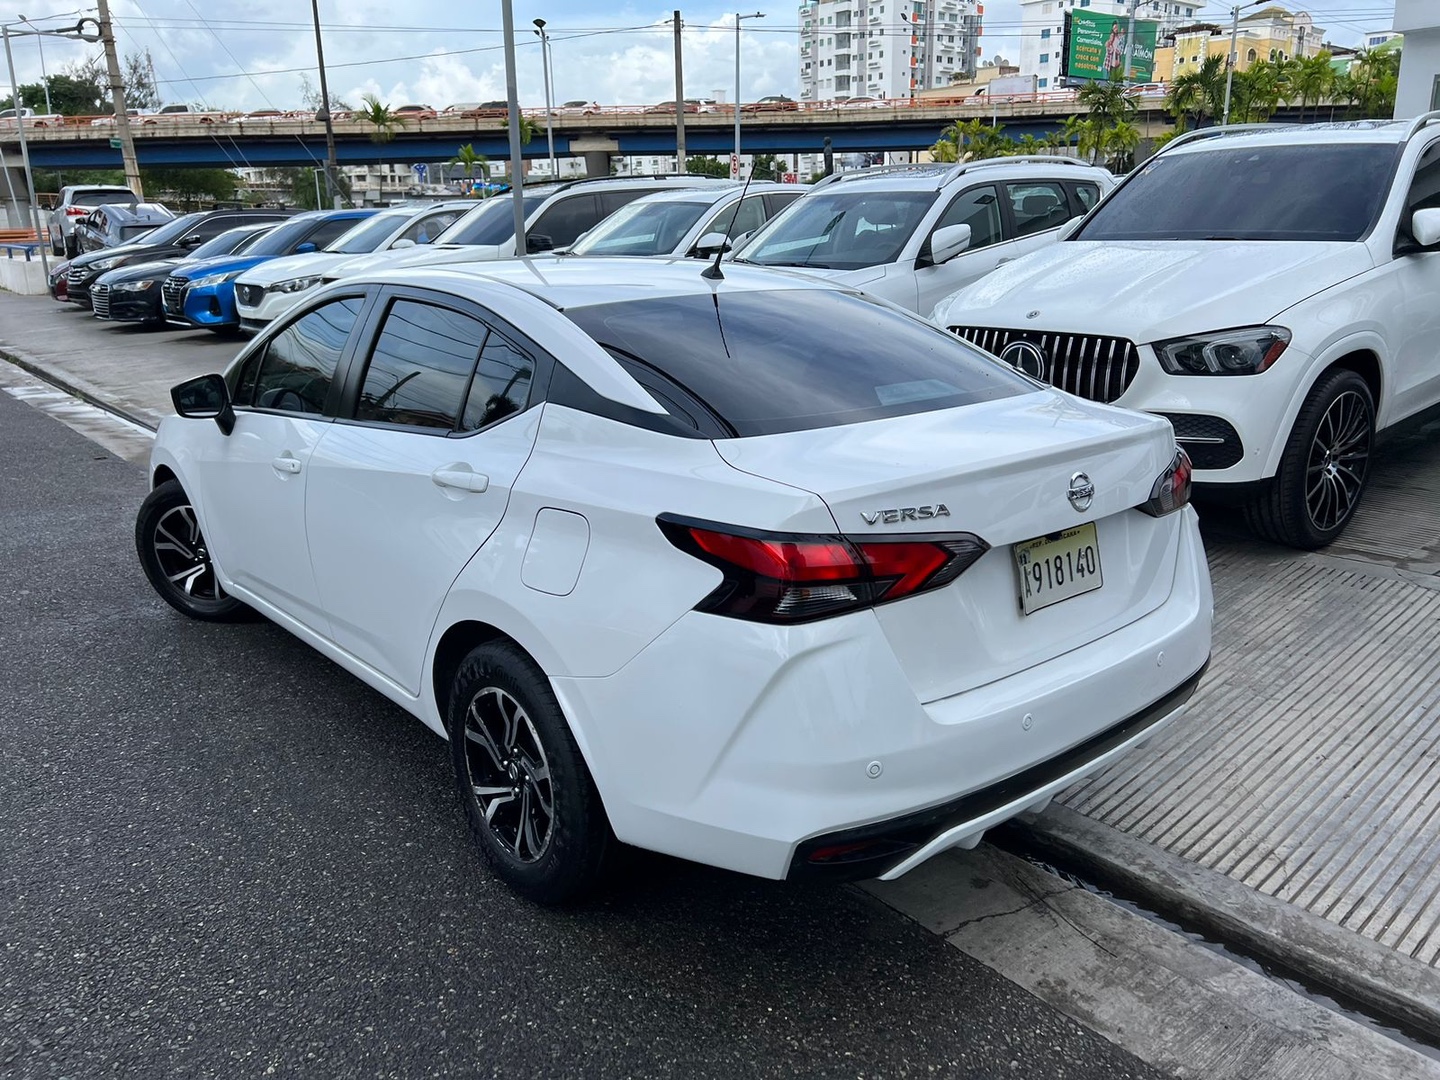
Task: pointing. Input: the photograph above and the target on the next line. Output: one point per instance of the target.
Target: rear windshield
(492, 222)
(1317, 192)
(841, 230)
(791, 360)
(101, 198)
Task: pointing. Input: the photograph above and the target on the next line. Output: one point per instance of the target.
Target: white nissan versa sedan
(677, 562)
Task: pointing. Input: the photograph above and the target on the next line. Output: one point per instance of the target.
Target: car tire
(1325, 467)
(72, 247)
(57, 245)
(529, 798)
(174, 556)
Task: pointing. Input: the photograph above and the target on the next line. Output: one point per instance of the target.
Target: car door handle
(1002, 262)
(286, 464)
(460, 477)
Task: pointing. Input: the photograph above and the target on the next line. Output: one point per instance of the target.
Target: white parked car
(913, 234)
(694, 223)
(1274, 293)
(276, 285)
(674, 561)
(76, 202)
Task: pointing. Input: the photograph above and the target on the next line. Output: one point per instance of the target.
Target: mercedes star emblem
(1025, 357)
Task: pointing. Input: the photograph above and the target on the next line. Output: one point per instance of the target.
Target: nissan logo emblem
(1082, 492)
(1025, 357)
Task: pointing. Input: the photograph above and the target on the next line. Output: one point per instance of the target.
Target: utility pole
(512, 112)
(331, 165)
(117, 98)
(735, 163)
(1230, 60)
(549, 108)
(679, 100)
(1130, 42)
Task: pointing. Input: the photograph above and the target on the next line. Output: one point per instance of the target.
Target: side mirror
(205, 398)
(405, 243)
(948, 242)
(305, 248)
(1068, 229)
(538, 242)
(190, 241)
(710, 243)
(1425, 227)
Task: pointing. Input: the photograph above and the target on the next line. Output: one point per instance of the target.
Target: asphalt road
(222, 856)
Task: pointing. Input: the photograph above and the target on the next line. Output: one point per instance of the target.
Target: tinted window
(171, 231)
(134, 232)
(564, 220)
(1424, 193)
(492, 222)
(284, 237)
(778, 200)
(1087, 194)
(642, 228)
(1037, 205)
(841, 230)
(231, 242)
(980, 209)
(429, 227)
(299, 362)
(502, 384)
(750, 218)
(767, 362)
(419, 371)
(1249, 193)
(101, 198)
(328, 231)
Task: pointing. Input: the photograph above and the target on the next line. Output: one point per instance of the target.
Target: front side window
(980, 209)
(840, 230)
(420, 369)
(750, 217)
(327, 232)
(1424, 193)
(564, 220)
(294, 371)
(642, 228)
(1318, 191)
(1037, 206)
(429, 227)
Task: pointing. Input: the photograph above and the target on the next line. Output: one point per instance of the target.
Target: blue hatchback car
(202, 294)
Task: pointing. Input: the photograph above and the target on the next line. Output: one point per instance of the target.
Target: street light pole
(545, 67)
(331, 164)
(44, 79)
(735, 164)
(1230, 60)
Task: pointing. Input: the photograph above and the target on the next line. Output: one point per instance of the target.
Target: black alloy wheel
(177, 561)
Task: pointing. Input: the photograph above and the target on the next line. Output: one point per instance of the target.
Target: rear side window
(501, 386)
(297, 366)
(1087, 195)
(565, 220)
(1037, 205)
(419, 372)
(791, 360)
(133, 232)
(750, 217)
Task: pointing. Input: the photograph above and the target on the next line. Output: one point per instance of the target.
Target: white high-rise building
(885, 48)
(1042, 28)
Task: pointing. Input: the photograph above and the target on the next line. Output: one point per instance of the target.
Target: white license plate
(1057, 567)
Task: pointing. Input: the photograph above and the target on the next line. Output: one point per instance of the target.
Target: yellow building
(1273, 34)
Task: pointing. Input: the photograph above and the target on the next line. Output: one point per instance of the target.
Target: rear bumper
(754, 747)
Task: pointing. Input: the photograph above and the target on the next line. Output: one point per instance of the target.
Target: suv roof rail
(1218, 131)
(953, 171)
(1422, 121)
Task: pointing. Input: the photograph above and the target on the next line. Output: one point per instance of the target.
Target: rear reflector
(1172, 490)
(796, 577)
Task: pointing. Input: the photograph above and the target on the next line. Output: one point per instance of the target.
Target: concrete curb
(1388, 984)
(77, 388)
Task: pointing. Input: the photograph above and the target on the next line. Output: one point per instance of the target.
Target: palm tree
(384, 121)
(1201, 91)
(1371, 82)
(976, 140)
(1028, 144)
(1312, 79)
(467, 157)
(1121, 142)
(1107, 103)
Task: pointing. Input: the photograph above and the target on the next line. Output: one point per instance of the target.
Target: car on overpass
(752, 570)
(913, 234)
(693, 223)
(203, 294)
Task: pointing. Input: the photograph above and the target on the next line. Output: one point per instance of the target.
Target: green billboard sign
(1095, 47)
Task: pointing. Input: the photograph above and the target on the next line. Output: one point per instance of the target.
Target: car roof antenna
(712, 272)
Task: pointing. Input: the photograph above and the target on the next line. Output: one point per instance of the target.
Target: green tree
(973, 140)
(467, 158)
(766, 167)
(139, 77)
(1369, 86)
(1107, 108)
(189, 188)
(1199, 92)
(1310, 79)
(1120, 143)
(706, 166)
(385, 121)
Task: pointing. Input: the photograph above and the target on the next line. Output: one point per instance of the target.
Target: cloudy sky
(438, 52)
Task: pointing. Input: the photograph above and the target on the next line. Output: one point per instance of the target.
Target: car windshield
(280, 240)
(172, 230)
(791, 360)
(642, 229)
(368, 235)
(492, 222)
(1323, 191)
(229, 243)
(841, 230)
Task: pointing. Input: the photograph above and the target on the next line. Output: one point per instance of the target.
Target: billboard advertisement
(1095, 46)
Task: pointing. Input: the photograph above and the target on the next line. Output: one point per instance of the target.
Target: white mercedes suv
(673, 561)
(1273, 292)
(912, 234)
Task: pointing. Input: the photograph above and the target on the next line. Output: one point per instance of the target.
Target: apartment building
(886, 48)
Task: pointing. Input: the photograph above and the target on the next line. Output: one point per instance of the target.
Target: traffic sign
(114, 144)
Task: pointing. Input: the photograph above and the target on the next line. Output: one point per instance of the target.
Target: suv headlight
(1247, 351)
(215, 279)
(299, 284)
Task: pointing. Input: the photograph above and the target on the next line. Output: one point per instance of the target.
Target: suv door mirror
(1425, 227)
(403, 242)
(193, 240)
(710, 243)
(205, 398)
(948, 242)
(538, 241)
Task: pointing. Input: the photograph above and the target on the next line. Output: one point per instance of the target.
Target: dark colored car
(132, 293)
(173, 240)
(773, 103)
(202, 293)
(116, 224)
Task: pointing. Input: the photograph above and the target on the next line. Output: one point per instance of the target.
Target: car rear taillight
(796, 577)
(77, 211)
(1172, 489)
